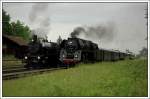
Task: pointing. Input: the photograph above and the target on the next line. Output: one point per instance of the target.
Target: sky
(120, 26)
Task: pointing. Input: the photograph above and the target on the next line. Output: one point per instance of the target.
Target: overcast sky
(127, 19)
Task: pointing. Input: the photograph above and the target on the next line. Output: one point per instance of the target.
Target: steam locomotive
(41, 53)
(75, 50)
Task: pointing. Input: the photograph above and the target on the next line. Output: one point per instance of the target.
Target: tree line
(17, 28)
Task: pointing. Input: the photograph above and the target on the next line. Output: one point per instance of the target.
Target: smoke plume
(39, 19)
(77, 32)
(102, 32)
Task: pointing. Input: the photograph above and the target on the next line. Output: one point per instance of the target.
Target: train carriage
(106, 55)
(115, 56)
(122, 55)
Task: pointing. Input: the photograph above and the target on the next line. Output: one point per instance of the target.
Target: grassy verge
(7, 64)
(122, 78)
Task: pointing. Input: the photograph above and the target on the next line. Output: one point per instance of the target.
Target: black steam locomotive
(76, 50)
(41, 53)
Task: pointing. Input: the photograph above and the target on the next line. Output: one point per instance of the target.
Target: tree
(6, 27)
(59, 40)
(19, 29)
(14, 28)
(143, 52)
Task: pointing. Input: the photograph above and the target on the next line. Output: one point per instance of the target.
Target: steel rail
(12, 75)
(13, 70)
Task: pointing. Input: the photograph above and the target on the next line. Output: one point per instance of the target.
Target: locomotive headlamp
(25, 57)
(38, 57)
(70, 42)
(63, 55)
(32, 40)
(76, 56)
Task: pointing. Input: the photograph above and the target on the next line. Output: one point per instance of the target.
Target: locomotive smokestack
(35, 37)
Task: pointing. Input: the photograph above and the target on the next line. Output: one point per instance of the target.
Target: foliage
(18, 29)
(143, 52)
(122, 78)
(6, 23)
(14, 28)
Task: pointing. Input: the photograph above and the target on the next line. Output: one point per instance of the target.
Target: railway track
(12, 74)
(11, 70)
(12, 67)
(17, 70)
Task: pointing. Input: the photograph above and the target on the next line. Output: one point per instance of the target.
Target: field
(122, 78)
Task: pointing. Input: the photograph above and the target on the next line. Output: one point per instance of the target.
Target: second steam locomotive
(41, 53)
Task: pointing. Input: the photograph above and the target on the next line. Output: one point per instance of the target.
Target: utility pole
(146, 17)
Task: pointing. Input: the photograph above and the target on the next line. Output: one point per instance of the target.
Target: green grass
(7, 64)
(9, 57)
(122, 78)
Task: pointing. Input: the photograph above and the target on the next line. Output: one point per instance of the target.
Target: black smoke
(102, 32)
(77, 32)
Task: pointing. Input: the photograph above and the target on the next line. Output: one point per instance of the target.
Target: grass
(9, 57)
(8, 64)
(122, 78)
